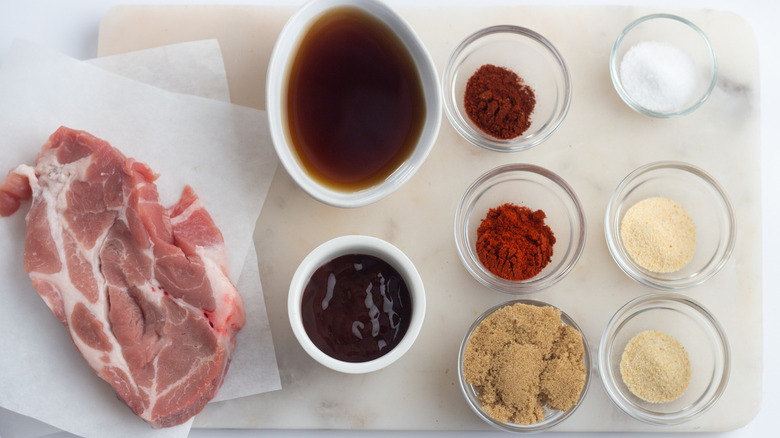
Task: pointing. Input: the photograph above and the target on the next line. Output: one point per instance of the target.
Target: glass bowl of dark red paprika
(356, 304)
(519, 228)
(353, 101)
(506, 88)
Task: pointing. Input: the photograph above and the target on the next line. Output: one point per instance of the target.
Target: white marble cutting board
(600, 141)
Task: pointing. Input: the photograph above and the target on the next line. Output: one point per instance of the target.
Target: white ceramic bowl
(355, 244)
(276, 85)
(704, 200)
(679, 32)
(698, 332)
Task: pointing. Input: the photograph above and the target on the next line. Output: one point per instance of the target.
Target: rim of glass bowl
(471, 260)
(483, 140)
(624, 314)
(615, 73)
(549, 421)
(615, 243)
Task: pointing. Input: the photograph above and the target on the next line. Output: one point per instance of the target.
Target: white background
(71, 27)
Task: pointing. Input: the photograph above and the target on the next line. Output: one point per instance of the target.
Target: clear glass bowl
(667, 28)
(704, 200)
(533, 187)
(551, 417)
(530, 56)
(699, 333)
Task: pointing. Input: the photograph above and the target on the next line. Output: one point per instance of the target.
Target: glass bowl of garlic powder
(663, 66)
(664, 359)
(670, 225)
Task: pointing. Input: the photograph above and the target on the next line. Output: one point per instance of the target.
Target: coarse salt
(659, 76)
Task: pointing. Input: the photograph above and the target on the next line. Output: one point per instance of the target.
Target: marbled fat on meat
(142, 289)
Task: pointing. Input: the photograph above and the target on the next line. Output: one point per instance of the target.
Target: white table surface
(72, 28)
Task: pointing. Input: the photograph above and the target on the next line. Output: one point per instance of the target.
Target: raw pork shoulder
(142, 289)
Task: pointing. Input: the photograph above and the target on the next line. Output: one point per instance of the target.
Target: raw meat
(143, 290)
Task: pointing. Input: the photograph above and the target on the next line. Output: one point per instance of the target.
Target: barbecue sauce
(355, 102)
(356, 308)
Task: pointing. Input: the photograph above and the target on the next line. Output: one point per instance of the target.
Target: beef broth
(355, 102)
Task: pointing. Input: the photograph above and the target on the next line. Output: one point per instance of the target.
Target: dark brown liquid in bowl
(355, 102)
(356, 308)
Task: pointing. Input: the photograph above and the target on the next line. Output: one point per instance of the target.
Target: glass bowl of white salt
(663, 66)
(670, 225)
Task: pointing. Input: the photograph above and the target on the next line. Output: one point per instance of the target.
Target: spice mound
(522, 358)
(659, 235)
(499, 102)
(659, 76)
(514, 243)
(655, 367)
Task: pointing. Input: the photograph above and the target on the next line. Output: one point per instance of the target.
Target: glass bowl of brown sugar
(664, 359)
(524, 366)
(519, 228)
(506, 88)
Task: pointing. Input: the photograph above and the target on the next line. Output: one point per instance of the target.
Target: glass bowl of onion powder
(663, 66)
(670, 225)
(664, 359)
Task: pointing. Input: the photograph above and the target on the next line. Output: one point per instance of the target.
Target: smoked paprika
(499, 102)
(514, 243)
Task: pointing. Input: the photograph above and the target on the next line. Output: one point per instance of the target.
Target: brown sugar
(521, 358)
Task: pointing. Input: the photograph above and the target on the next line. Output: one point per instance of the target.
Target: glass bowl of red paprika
(506, 64)
(519, 228)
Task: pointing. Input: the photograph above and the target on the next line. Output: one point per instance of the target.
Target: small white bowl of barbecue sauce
(353, 101)
(356, 304)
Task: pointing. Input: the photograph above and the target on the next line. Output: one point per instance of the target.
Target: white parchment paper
(222, 150)
(194, 68)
